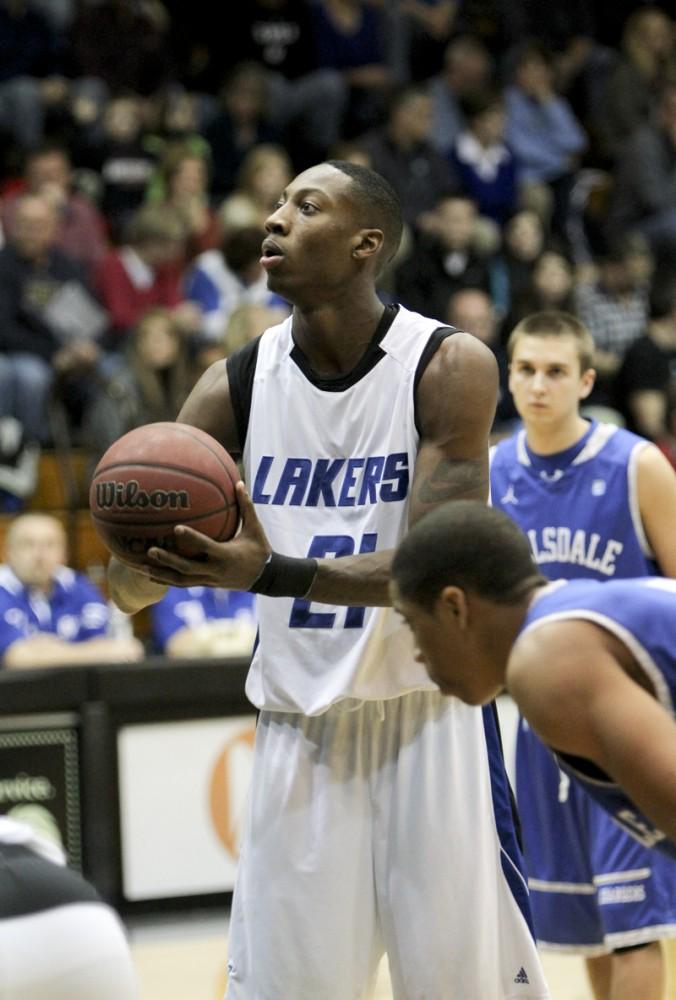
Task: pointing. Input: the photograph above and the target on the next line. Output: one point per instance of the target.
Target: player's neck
(507, 622)
(552, 439)
(334, 339)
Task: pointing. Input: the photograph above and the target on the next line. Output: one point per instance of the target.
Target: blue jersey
(641, 614)
(188, 607)
(74, 610)
(579, 507)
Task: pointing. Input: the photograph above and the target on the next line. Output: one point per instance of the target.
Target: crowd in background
(143, 144)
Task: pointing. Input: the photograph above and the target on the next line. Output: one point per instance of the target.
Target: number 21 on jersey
(321, 547)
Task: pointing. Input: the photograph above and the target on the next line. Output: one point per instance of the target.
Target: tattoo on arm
(454, 479)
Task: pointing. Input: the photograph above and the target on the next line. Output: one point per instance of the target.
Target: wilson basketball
(158, 476)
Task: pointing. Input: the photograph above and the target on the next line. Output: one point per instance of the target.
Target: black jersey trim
(373, 354)
(241, 368)
(587, 768)
(430, 349)
(29, 883)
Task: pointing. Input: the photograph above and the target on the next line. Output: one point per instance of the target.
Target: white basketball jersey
(329, 465)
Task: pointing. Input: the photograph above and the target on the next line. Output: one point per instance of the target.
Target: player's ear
(367, 243)
(453, 604)
(587, 382)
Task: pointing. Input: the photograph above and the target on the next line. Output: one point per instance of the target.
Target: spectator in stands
(349, 41)
(51, 615)
(420, 30)
(150, 386)
(551, 288)
(467, 72)
(177, 115)
(402, 152)
(220, 281)
(568, 29)
(265, 171)
(183, 186)
(122, 159)
(445, 258)
(644, 191)
(48, 321)
(204, 621)
(247, 322)
(242, 123)
(615, 310)
(305, 97)
(524, 240)
(483, 163)
(544, 135)
(122, 43)
(647, 377)
(82, 231)
(144, 272)
(31, 53)
(471, 309)
(631, 90)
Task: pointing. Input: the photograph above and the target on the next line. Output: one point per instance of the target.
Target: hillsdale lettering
(111, 494)
(560, 544)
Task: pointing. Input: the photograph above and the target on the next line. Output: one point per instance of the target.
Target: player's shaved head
(376, 203)
(465, 544)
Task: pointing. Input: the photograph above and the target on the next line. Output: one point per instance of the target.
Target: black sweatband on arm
(285, 576)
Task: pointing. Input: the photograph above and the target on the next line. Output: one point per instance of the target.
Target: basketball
(157, 476)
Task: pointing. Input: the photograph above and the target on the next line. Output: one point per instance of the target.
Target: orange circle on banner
(220, 792)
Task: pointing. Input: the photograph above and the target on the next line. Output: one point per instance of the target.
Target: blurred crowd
(143, 144)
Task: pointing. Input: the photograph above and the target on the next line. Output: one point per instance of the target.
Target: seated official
(204, 621)
(50, 615)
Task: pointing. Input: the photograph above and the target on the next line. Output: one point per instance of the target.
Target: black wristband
(285, 576)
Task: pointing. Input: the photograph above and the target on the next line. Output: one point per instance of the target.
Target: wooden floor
(185, 960)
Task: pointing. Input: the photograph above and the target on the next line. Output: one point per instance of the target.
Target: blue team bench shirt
(74, 610)
(641, 614)
(188, 607)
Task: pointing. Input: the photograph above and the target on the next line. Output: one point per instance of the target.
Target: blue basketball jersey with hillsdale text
(579, 507)
(329, 464)
(641, 614)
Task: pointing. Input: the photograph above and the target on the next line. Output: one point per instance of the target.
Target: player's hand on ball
(233, 565)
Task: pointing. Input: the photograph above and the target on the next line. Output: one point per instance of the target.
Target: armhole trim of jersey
(429, 350)
(634, 506)
(241, 368)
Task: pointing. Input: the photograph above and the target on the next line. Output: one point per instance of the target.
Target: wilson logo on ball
(129, 495)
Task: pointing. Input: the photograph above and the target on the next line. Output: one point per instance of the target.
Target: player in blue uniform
(591, 665)
(595, 501)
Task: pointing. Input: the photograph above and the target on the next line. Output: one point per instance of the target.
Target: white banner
(183, 789)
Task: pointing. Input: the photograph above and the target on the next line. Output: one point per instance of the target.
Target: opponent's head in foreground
(463, 579)
(591, 666)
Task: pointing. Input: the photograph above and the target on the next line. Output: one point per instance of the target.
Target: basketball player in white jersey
(379, 815)
(597, 502)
